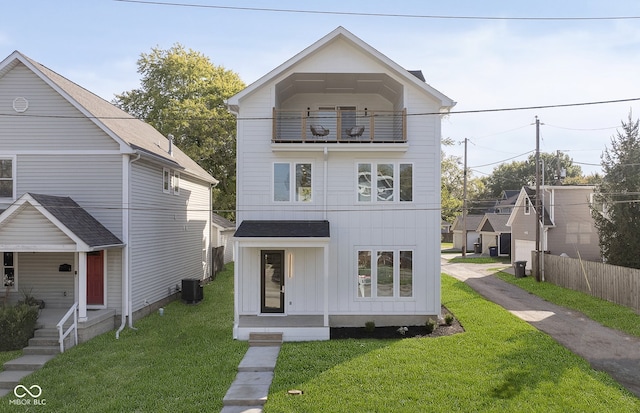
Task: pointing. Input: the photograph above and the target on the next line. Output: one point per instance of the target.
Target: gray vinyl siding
(30, 228)
(167, 233)
(50, 122)
(38, 275)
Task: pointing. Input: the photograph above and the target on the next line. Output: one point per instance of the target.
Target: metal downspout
(126, 279)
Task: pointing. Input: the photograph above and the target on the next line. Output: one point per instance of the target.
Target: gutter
(126, 260)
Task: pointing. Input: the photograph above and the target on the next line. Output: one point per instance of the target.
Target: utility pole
(538, 197)
(464, 203)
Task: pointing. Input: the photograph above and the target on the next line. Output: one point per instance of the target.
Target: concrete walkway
(606, 349)
(249, 391)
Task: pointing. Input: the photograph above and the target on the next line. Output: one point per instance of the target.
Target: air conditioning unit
(191, 290)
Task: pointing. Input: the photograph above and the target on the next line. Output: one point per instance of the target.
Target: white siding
(167, 233)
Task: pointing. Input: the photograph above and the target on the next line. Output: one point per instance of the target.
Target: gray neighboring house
(568, 226)
(102, 214)
(467, 228)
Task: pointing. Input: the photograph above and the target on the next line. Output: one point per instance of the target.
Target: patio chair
(317, 130)
(355, 132)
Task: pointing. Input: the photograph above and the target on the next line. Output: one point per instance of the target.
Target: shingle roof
(77, 220)
(283, 229)
(531, 193)
(496, 223)
(222, 222)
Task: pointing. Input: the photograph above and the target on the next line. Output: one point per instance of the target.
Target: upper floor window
(166, 180)
(7, 177)
(527, 206)
(385, 182)
(292, 181)
(176, 183)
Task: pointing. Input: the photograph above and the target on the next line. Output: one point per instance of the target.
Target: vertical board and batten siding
(167, 234)
(353, 225)
(613, 283)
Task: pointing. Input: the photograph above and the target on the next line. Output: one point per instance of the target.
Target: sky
(484, 55)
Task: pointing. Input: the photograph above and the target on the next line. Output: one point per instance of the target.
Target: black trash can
(477, 248)
(519, 268)
(493, 251)
(191, 290)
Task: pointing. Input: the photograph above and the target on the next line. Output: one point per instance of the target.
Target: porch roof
(69, 217)
(283, 229)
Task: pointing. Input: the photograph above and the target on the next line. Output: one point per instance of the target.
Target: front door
(272, 281)
(95, 278)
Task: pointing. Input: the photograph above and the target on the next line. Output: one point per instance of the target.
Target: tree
(516, 174)
(616, 210)
(183, 94)
(451, 184)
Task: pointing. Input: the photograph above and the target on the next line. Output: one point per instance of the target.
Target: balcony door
(272, 281)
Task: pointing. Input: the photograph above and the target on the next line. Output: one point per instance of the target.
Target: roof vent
(20, 104)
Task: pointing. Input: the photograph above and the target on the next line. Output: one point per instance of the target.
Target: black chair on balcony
(319, 131)
(355, 132)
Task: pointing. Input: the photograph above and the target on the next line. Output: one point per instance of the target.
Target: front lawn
(500, 363)
(183, 361)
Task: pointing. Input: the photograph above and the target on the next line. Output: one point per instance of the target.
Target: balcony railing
(339, 126)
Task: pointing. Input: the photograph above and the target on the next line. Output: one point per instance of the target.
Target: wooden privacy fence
(619, 285)
(217, 261)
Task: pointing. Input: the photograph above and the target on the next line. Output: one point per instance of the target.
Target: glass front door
(272, 281)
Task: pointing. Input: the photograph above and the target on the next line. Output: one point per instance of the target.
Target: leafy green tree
(451, 184)
(616, 210)
(516, 174)
(183, 94)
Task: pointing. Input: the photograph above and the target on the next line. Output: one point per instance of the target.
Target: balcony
(339, 126)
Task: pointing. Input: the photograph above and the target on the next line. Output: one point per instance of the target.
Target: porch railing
(73, 327)
(334, 126)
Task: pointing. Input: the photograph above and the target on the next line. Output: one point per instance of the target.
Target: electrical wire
(365, 14)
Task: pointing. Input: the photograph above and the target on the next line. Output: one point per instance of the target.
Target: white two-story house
(338, 197)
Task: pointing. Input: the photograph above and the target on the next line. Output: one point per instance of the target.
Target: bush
(370, 326)
(448, 319)
(429, 326)
(17, 325)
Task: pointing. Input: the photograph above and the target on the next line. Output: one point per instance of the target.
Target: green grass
(183, 361)
(604, 312)
(8, 355)
(499, 364)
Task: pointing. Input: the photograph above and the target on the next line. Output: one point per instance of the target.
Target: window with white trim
(7, 174)
(292, 181)
(527, 206)
(166, 180)
(385, 182)
(9, 271)
(385, 273)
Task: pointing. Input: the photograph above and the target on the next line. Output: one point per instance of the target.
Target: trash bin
(477, 248)
(191, 290)
(493, 251)
(519, 268)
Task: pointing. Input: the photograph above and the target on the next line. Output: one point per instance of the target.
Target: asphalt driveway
(604, 348)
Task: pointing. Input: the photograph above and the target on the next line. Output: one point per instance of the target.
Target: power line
(364, 14)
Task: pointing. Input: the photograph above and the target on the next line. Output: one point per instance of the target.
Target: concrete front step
(265, 339)
(41, 350)
(28, 362)
(43, 341)
(10, 378)
(46, 332)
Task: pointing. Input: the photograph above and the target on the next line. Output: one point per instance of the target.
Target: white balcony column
(82, 286)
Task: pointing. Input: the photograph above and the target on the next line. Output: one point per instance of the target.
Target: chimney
(170, 144)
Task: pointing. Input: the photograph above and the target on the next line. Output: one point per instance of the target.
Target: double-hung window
(385, 182)
(292, 182)
(7, 174)
(385, 273)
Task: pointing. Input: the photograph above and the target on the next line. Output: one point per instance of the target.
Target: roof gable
(303, 60)
(130, 133)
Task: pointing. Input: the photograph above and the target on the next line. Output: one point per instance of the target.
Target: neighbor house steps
(42, 347)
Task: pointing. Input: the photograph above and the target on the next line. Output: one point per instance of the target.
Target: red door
(95, 278)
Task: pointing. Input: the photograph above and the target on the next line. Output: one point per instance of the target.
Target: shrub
(448, 319)
(17, 325)
(430, 325)
(369, 326)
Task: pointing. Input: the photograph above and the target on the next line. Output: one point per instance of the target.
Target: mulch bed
(392, 332)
